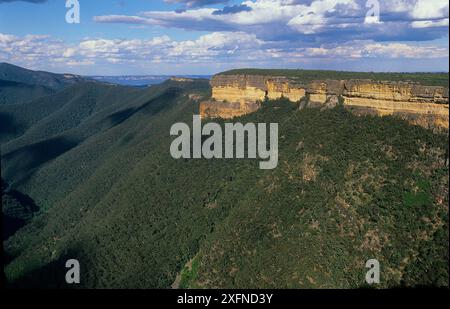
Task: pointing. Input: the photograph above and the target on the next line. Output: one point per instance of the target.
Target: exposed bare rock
(236, 88)
(235, 95)
(181, 79)
(226, 110)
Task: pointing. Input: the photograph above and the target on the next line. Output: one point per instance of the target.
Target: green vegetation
(95, 160)
(12, 73)
(428, 79)
(368, 187)
(17, 210)
(189, 274)
(421, 196)
(17, 93)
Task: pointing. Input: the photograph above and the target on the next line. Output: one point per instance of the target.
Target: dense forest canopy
(428, 79)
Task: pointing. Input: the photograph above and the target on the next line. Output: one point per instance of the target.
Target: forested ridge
(303, 76)
(93, 160)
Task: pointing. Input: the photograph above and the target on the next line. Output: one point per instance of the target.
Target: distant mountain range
(49, 80)
(19, 85)
(142, 80)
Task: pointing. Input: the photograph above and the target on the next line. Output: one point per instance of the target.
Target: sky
(167, 37)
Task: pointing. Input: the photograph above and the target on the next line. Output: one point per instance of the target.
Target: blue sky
(116, 37)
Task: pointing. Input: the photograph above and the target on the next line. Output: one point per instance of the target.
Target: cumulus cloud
(253, 33)
(430, 10)
(232, 9)
(309, 21)
(197, 3)
(214, 49)
(370, 49)
(33, 50)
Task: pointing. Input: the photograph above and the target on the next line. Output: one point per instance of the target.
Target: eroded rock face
(395, 91)
(237, 88)
(236, 95)
(226, 110)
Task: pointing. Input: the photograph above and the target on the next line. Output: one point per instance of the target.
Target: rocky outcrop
(239, 88)
(236, 95)
(181, 79)
(226, 110)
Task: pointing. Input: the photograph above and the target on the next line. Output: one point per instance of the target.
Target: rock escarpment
(236, 95)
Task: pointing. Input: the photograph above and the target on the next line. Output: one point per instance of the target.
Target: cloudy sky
(117, 37)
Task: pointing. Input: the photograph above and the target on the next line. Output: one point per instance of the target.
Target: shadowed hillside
(12, 73)
(17, 93)
(17, 210)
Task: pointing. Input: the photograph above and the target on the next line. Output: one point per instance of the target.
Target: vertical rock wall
(236, 95)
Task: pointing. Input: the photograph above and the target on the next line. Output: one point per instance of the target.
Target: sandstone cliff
(235, 95)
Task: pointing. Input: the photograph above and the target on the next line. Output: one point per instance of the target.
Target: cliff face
(225, 109)
(235, 95)
(241, 88)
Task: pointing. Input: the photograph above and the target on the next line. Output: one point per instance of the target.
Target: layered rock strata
(236, 95)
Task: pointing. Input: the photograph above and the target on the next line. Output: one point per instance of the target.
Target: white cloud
(312, 22)
(69, 52)
(434, 9)
(315, 17)
(430, 23)
(400, 50)
(430, 14)
(193, 3)
(217, 48)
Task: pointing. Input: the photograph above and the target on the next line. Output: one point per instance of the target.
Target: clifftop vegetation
(428, 79)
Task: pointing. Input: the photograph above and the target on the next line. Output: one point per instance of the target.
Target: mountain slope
(49, 122)
(105, 157)
(95, 160)
(17, 93)
(10, 72)
(19, 85)
(17, 210)
(347, 190)
(84, 110)
(135, 216)
(58, 112)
